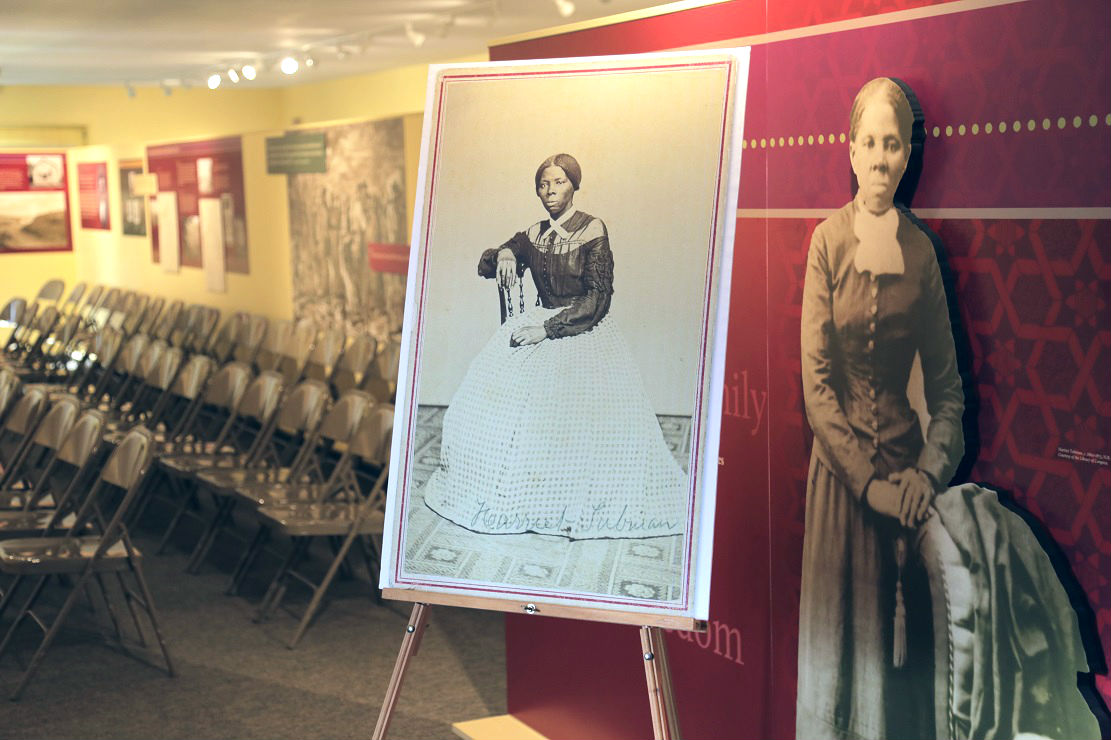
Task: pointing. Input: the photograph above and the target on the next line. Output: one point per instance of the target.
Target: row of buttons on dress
(871, 348)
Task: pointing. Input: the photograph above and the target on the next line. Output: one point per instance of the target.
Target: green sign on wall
(295, 153)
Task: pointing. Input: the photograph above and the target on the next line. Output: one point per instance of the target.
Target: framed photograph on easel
(558, 403)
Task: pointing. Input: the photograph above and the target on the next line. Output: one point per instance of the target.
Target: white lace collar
(878, 250)
(556, 224)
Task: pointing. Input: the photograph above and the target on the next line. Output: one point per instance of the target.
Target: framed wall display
(92, 191)
(133, 205)
(203, 169)
(34, 203)
(567, 456)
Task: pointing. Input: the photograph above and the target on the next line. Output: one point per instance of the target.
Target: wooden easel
(657, 673)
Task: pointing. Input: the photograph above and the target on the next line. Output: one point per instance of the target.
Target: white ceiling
(151, 42)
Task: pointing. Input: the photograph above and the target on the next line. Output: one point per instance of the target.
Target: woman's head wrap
(565, 162)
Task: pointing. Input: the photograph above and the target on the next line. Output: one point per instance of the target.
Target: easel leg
(409, 645)
(657, 672)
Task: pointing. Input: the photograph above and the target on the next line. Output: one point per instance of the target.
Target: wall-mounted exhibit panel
(34, 202)
(133, 204)
(202, 169)
(92, 195)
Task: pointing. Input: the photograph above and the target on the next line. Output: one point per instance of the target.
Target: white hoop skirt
(557, 438)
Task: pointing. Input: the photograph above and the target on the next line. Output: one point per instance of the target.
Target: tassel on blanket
(899, 649)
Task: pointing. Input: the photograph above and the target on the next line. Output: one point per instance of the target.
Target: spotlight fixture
(289, 65)
(565, 7)
(233, 76)
(416, 38)
(214, 81)
(310, 61)
(248, 71)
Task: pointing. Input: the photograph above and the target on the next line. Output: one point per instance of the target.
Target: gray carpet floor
(237, 679)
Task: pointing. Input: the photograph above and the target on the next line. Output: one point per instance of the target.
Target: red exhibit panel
(203, 169)
(708, 24)
(92, 195)
(34, 203)
(389, 258)
(1014, 186)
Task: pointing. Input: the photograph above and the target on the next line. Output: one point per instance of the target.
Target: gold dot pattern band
(937, 132)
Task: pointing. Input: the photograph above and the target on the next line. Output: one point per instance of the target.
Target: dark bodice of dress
(860, 333)
(572, 268)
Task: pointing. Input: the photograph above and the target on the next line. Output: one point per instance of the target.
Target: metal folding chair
(73, 300)
(223, 342)
(168, 320)
(54, 355)
(205, 421)
(244, 436)
(204, 324)
(65, 469)
(269, 352)
(87, 558)
(280, 454)
(314, 475)
(10, 389)
(24, 470)
(29, 345)
(51, 290)
(11, 317)
(351, 514)
(92, 298)
(326, 352)
(353, 366)
(138, 371)
(94, 370)
(17, 339)
(247, 345)
(295, 351)
(381, 382)
(20, 424)
(150, 316)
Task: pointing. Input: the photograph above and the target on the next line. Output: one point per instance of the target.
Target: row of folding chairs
(257, 457)
(301, 445)
(185, 404)
(61, 342)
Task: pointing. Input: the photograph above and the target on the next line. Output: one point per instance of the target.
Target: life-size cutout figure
(878, 503)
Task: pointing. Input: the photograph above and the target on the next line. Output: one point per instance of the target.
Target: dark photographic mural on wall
(336, 214)
(926, 610)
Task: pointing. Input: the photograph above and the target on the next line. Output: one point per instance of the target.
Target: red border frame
(65, 189)
(715, 235)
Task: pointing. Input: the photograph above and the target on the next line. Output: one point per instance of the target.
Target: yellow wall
(380, 95)
(119, 127)
(113, 119)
